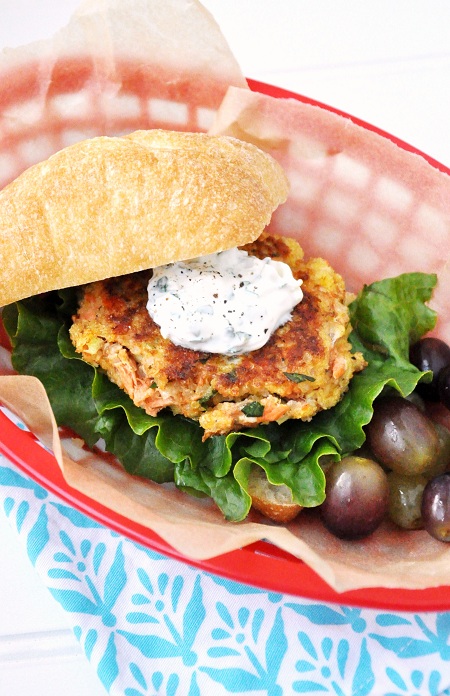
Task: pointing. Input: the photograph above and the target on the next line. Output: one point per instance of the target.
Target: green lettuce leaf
(387, 316)
(33, 330)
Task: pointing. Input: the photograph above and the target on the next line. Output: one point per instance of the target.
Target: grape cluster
(404, 471)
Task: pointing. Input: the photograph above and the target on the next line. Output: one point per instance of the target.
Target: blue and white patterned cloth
(151, 625)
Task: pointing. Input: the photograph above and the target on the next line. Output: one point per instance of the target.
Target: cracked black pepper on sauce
(228, 303)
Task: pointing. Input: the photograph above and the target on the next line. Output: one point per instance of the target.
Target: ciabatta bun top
(114, 205)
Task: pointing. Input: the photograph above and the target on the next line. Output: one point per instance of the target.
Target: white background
(387, 62)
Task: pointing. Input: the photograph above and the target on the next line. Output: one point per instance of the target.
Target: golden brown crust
(109, 206)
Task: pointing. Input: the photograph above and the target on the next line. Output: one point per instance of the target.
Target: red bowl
(260, 564)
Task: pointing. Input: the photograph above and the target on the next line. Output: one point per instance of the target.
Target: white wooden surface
(385, 62)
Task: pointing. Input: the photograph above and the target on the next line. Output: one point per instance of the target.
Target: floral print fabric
(151, 625)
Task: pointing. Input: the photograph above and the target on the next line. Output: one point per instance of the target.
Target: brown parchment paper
(368, 206)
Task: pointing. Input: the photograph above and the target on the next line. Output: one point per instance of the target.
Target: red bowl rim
(260, 564)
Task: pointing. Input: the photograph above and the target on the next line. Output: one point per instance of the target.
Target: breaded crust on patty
(305, 366)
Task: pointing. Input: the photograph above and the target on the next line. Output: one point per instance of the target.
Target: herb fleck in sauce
(229, 302)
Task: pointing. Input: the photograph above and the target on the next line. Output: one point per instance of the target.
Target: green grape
(405, 499)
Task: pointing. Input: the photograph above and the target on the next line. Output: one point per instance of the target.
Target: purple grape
(444, 386)
(442, 463)
(357, 495)
(430, 354)
(401, 437)
(436, 507)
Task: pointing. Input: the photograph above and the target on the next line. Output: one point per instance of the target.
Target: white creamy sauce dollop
(229, 302)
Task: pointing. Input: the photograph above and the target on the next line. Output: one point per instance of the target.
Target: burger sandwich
(163, 319)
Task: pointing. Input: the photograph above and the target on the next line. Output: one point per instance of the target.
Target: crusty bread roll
(108, 206)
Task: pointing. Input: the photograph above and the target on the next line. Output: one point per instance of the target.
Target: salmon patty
(305, 367)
